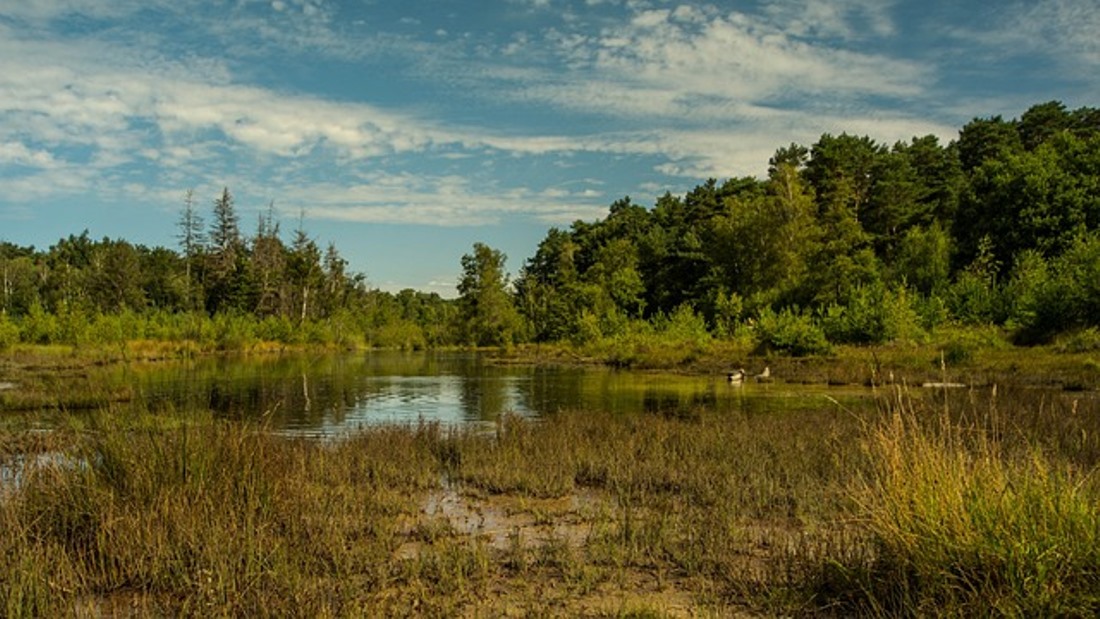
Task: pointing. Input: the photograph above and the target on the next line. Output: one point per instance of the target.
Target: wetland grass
(932, 503)
(987, 508)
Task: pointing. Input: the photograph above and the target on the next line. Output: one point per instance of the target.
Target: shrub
(39, 327)
(1070, 298)
(1086, 340)
(586, 329)
(684, 325)
(234, 331)
(9, 333)
(398, 334)
(107, 329)
(961, 344)
(873, 315)
(790, 331)
(278, 329)
(931, 311)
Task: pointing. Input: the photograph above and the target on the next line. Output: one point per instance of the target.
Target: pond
(333, 394)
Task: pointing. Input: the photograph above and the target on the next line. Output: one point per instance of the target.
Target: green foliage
(873, 315)
(684, 325)
(922, 260)
(402, 334)
(959, 346)
(9, 333)
(1022, 290)
(791, 332)
(39, 327)
(1085, 340)
(233, 332)
(279, 329)
(486, 311)
(1070, 296)
(586, 329)
(728, 309)
(993, 229)
(931, 311)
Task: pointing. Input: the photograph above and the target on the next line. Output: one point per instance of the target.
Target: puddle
(14, 469)
(500, 521)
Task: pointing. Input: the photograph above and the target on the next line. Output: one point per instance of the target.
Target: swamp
(454, 484)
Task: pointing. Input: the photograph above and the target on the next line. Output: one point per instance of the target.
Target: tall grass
(974, 515)
(218, 518)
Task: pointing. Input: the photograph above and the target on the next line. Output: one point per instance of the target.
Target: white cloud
(436, 201)
(845, 19)
(17, 153)
(743, 59)
(45, 10)
(716, 94)
(1067, 30)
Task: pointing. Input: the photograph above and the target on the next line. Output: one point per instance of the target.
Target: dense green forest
(846, 241)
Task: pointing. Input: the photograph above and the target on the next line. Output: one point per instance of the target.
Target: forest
(846, 241)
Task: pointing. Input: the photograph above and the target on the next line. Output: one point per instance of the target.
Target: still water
(333, 394)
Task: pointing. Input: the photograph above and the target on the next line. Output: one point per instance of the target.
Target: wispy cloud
(436, 201)
(674, 58)
(1066, 30)
(845, 19)
(17, 153)
(693, 91)
(38, 11)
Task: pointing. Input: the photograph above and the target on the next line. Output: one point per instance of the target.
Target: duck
(764, 376)
(737, 377)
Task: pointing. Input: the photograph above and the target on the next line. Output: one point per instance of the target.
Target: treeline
(222, 289)
(846, 241)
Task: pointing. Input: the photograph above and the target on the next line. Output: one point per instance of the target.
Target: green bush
(234, 331)
(961, 344)
(73, 327)
(586, 329)
(1087, 340)
(931, 311)
(1070, 298)
(39, 327)
(278, 329)
(107, 329)
(790, 331)
(9, 333)
(683, 325)
(873, 315)
(398, 334)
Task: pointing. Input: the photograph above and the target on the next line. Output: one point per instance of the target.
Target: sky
(405, 131)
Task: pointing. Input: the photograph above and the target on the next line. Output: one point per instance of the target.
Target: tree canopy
(999, 226)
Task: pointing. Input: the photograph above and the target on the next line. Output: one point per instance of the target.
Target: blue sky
(407, 131)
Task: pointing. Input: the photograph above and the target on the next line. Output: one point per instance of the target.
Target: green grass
(972, 516)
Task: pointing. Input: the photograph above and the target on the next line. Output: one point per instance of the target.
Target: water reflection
(336, 393)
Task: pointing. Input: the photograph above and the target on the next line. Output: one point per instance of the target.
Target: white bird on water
(764, 376)
(736, 378)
